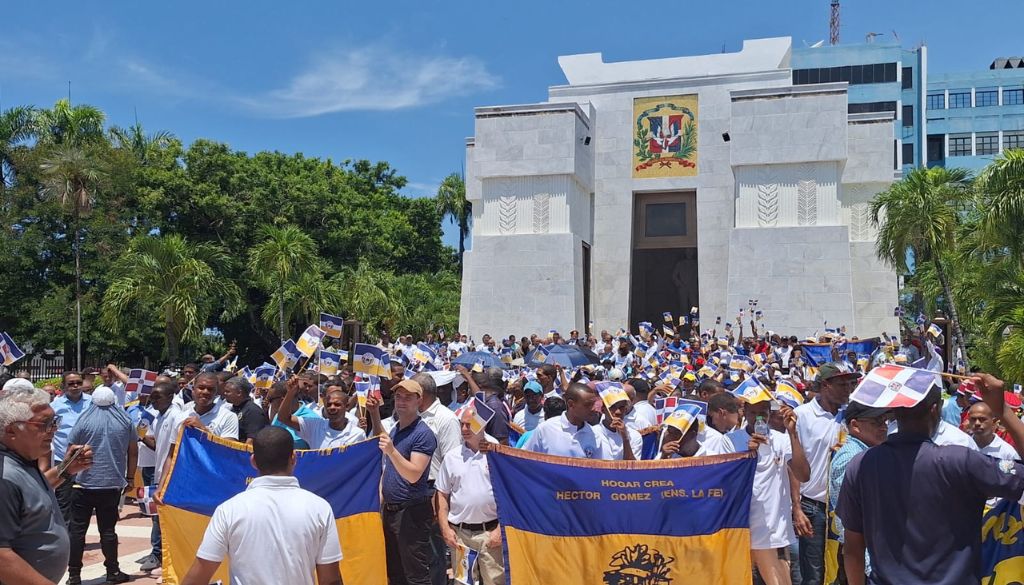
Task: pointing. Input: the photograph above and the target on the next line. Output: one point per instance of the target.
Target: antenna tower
(833, 24)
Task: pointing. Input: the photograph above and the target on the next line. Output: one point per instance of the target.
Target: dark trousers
(439, 556)
(407, 542)
(104, 503)
(812, 548)
(63, 493)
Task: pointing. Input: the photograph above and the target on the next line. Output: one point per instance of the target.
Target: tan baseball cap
(409, 385)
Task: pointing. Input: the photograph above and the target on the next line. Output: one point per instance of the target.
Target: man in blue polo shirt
(67, 407)
(407, 510)
(916, 506)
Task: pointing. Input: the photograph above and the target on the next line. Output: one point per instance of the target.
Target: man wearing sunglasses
(69, 406)
(34, 545)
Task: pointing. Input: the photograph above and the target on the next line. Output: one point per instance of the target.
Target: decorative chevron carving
(861, 228)
(768, 200)
(507, 214)
(541, 202)
(807, 202)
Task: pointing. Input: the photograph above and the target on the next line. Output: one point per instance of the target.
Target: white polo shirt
(274, 532)
(1000, 449)
(713, 443)
(613, 449)
(317, 431)
(164, 431)
(771, 511)
(466, 478)
(818, 432)
(447, 430)
(558, 436)
(641, 416)
(221, 422)
(527, 419)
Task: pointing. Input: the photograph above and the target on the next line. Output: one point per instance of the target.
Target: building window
(1013, 140)
(908, 116)
(1013, 97)
(908, 77)
(852, 74)
(986, 143)
(936, 101)
(960, 145)
(871, 107)
(665, 219)
(987, 96)
(959, 98)
(908, 153)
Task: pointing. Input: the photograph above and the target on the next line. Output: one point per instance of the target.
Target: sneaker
(141, 560)
(74, 579)
(150, 564)
(118, 577)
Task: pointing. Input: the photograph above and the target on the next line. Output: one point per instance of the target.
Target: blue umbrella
(471, 358)
(568, 356)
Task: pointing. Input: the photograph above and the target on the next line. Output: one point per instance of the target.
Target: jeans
(407, 543)
(154, 534)
(812, 549)
(794, 563)
(104, 503)
(439, 558)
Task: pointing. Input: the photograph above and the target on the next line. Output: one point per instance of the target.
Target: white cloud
(372, 78)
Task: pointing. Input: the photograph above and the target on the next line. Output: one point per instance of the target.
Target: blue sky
(398, 80)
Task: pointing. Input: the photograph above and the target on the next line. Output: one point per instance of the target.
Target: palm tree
(919, 215)
(69, 125)
(285, 256)
(177, 281)
(1001, 190)
(367, 295)
(451, 202)
(306, 297)
(72, 175)
(135, 139)
(15, 127)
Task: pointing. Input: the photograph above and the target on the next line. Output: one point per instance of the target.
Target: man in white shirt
(771, 519)
(532, 413)
(642, 415)
(569, 435)
(161, 438)
(982, 427)
(274, 532)
(336, 430)
(818, 433)
(723, 418)
(466, 510)
(620, 441)
(205, 414)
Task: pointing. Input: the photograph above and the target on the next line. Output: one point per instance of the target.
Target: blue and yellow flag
(207, 471)
(1002, 543)
(372, 360)
(652, 522)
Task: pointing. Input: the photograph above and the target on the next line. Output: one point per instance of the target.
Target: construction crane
(833, 24)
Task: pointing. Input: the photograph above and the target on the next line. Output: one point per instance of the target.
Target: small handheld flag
(145, 421)
(464, 563)
(683, 417)
(9, 351)
(667, 316)
(310, 340)
(662, 406)
(330, 362)
(372, 360)
(287, 355)
(752, 391)
(332, 326)
(893, 386)
(481, 414)
(667, 330)
(934, 330)
(144, 497)
(264, 376)
(478, 366)
(612, 393)
(787, 393)
(140, 381)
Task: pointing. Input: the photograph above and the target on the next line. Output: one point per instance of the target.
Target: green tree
(286, 256)
(68, 125)
(920, 215)
(135, 140)
(168, 279)
(15, 128)
(1001, 192)
(451, 202)
(305, 297)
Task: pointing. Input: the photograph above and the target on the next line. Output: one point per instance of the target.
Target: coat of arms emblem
(665, 138)
(639, 565)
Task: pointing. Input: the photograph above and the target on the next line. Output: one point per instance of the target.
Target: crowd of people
(908, 485)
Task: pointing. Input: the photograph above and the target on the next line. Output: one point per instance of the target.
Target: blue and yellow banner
(621, 522)
(1002, 544)
(208, 470)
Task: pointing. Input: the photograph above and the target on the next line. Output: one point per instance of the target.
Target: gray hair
(17, 404)
(427, 382)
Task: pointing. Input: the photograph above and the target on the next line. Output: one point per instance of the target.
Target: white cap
(616, 374)
(103, 396)
(17, 384)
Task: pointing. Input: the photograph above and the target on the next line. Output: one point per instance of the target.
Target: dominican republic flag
(9, 351)
(663, 406)
(144, 498)
(893, 386)
(140, 381)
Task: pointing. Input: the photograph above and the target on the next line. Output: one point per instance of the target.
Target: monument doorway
(664, 268)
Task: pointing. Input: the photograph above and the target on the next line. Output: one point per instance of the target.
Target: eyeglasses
(47, 426)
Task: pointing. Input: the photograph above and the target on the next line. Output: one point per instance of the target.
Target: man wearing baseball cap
(819, 430)
(532, 414)
(406, 507)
